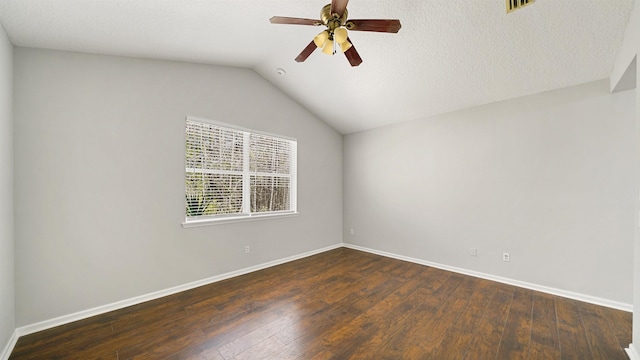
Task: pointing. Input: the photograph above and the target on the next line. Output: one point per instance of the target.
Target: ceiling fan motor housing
(332, 21)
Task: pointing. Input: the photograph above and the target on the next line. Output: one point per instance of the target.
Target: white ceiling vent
(517, 4)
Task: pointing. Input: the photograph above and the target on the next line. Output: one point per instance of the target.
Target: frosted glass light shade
(328, 47)
(321, 38)
(340, 35)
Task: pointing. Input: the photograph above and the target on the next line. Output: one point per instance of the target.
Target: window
(233, 173)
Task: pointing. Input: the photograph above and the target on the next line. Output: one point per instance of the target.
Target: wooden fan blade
(338, 6)
(379, 25)
(306, 52)
(294, 21)
(352, 55)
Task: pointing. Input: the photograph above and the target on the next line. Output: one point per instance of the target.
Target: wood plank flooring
(344, 304)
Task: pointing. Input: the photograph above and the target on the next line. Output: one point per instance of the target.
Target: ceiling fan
(336, 38)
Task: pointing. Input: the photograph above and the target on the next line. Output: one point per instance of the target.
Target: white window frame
(246, 214)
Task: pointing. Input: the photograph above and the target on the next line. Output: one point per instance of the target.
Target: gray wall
(7, 310)
(635, 344)
(547, 178)
(625, 65)
(99, 192)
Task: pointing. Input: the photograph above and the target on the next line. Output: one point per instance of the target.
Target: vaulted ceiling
(449, 55)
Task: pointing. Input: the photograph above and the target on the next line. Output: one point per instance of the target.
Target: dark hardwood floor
(344, 304)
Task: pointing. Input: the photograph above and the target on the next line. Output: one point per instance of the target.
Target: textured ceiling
(449, 55)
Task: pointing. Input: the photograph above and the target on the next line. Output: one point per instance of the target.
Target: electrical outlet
(506, 257)
(351, 231)
(474, 252)
(247, 249)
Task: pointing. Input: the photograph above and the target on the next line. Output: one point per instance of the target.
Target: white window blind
(235, 172)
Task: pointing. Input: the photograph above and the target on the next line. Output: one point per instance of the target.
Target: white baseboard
(633, 354)
(518, 283)
(6, 352)
(65, 319)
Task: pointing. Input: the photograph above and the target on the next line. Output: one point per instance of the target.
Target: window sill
(236, 219)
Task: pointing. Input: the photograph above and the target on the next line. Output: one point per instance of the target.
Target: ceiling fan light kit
(336, 37)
